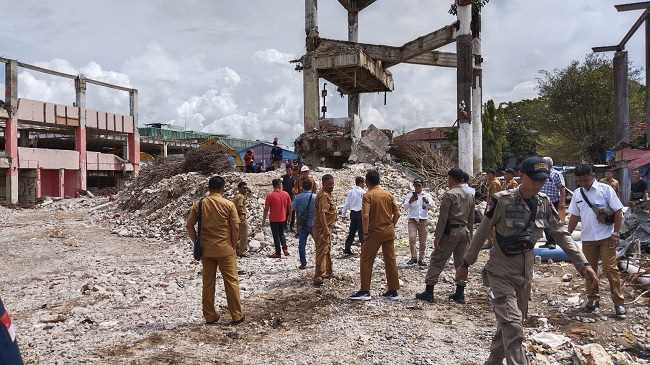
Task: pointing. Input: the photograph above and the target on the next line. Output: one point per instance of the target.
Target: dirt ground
(81, 295)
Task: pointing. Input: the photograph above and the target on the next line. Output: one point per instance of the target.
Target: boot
(459, 295)
(426, 295)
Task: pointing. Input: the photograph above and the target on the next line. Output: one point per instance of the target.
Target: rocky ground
(119, 286)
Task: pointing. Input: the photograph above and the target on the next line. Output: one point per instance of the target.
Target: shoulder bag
(197, 242)
(604, 215)
(522, 242)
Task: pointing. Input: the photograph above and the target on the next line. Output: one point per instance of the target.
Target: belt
(457, 225)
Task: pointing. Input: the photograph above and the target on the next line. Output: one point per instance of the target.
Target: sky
(223, 66)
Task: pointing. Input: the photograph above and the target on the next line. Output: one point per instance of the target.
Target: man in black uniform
(288, 180)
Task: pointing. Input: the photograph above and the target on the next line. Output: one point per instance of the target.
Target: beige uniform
(493, 188)
(297, 186)
(455, 223)
(217, 217)
(324, 204)
(613, 183)
(380, 207)
(510, 277)
(240, 205)
(510, 184)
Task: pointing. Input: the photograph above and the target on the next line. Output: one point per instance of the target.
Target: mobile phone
(415, 195)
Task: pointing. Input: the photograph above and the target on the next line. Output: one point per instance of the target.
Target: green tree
(521, 135)
(575, 118)
(494, 135)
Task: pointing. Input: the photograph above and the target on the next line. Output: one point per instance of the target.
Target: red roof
(636, 158)
(425, 134)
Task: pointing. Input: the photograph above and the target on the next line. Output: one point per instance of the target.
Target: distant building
(434, 136)
(262, 151)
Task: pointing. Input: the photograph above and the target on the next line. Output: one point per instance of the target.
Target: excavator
(225, 149)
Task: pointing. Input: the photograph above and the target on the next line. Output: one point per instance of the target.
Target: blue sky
(223, 66)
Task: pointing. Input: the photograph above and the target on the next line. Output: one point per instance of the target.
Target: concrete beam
(355, 5)
(427, 43)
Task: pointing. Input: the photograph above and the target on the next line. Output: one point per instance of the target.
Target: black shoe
(592, 305)
(458, 298)
(487, 246)
(391, 295)
(550, 246)
(421, 263)
(360, 295)
(234, 323)
(348, 252)
(621, 312)
(412, 261)
(318, 282)
(427, 297)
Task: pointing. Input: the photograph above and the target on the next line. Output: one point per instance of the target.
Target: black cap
(509, 171)
(418, 181)
(491, 171)
(535, 167)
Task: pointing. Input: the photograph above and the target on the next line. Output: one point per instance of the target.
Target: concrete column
(163, 149)
(61, 183)
(11, 130)
(38, 192)
(24, 139)
(477, 96)
(133, 140)
(311, 95)
(354, 99)
(80, 133)
(621, 99)
(464, 92)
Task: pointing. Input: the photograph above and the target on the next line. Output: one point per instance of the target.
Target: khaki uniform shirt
(297, 186)
(380, 206)
(613, 183)
(324, 203)
(509, 214)
(510, 184)
(240, 205)
(456, 208)
(493, 188)
(217, 216)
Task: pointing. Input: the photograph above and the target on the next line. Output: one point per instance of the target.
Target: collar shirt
(303, 204)
(353, 200)
(469, 189)
(553, 185)
(600, 195)
(418, 210)
(379, 205)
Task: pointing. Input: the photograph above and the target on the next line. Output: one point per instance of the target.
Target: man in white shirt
(599, 240)
(418, 204)
(466, 186)
(353, 203)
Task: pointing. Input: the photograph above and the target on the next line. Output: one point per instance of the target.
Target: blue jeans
(302, 243)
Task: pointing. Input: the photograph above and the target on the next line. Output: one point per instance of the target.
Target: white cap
(304, 168)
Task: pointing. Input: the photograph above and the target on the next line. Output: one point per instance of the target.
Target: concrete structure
(357, 68)
(28, 172)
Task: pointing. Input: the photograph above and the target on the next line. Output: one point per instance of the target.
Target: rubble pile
(206, 160)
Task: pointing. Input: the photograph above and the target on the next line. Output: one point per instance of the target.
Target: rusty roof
(636, 158)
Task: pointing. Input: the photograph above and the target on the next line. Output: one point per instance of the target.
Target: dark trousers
(277, 228)
(355, 228)
(549, 238)
(249, 168)
(290, 224)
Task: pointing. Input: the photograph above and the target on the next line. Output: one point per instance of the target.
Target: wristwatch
(464, 263)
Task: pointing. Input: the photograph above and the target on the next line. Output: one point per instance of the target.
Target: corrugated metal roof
(636, 158)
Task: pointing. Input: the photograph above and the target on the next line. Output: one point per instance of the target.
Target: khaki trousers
(509, 295)
(369, 250)
(228, 267)
(242, 243)
(455, 243)
(323, 261)
(594, 250)
(418, 229)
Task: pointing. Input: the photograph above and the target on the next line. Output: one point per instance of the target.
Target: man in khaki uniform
(509, 177)
(304, 175)
(609, 180)
(240, 205)
(494, 186)
(379, 215)
(219, 234)
(452, 235)
(325, 209)
(509, 270)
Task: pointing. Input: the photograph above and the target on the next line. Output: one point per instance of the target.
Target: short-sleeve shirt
(276, 153)
(380, 207)
(600, 195)
(494, 187)
(217, 217)
(277, 201)
(287, 184)
(553, 185)
(324, 203)
(240, 205)
(299, 204)
(638, 189)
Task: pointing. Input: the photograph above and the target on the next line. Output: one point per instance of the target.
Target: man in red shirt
(278, 202)
(249, 160)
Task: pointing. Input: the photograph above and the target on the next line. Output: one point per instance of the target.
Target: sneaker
(620, 310)
(421, 263)
(427, 297)
(302, 267)
(234, 323)
(275, 256)
(592, 305)
(412, 261)
(390, 295)
(318, 281)
(286, 252)
(360, 295)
